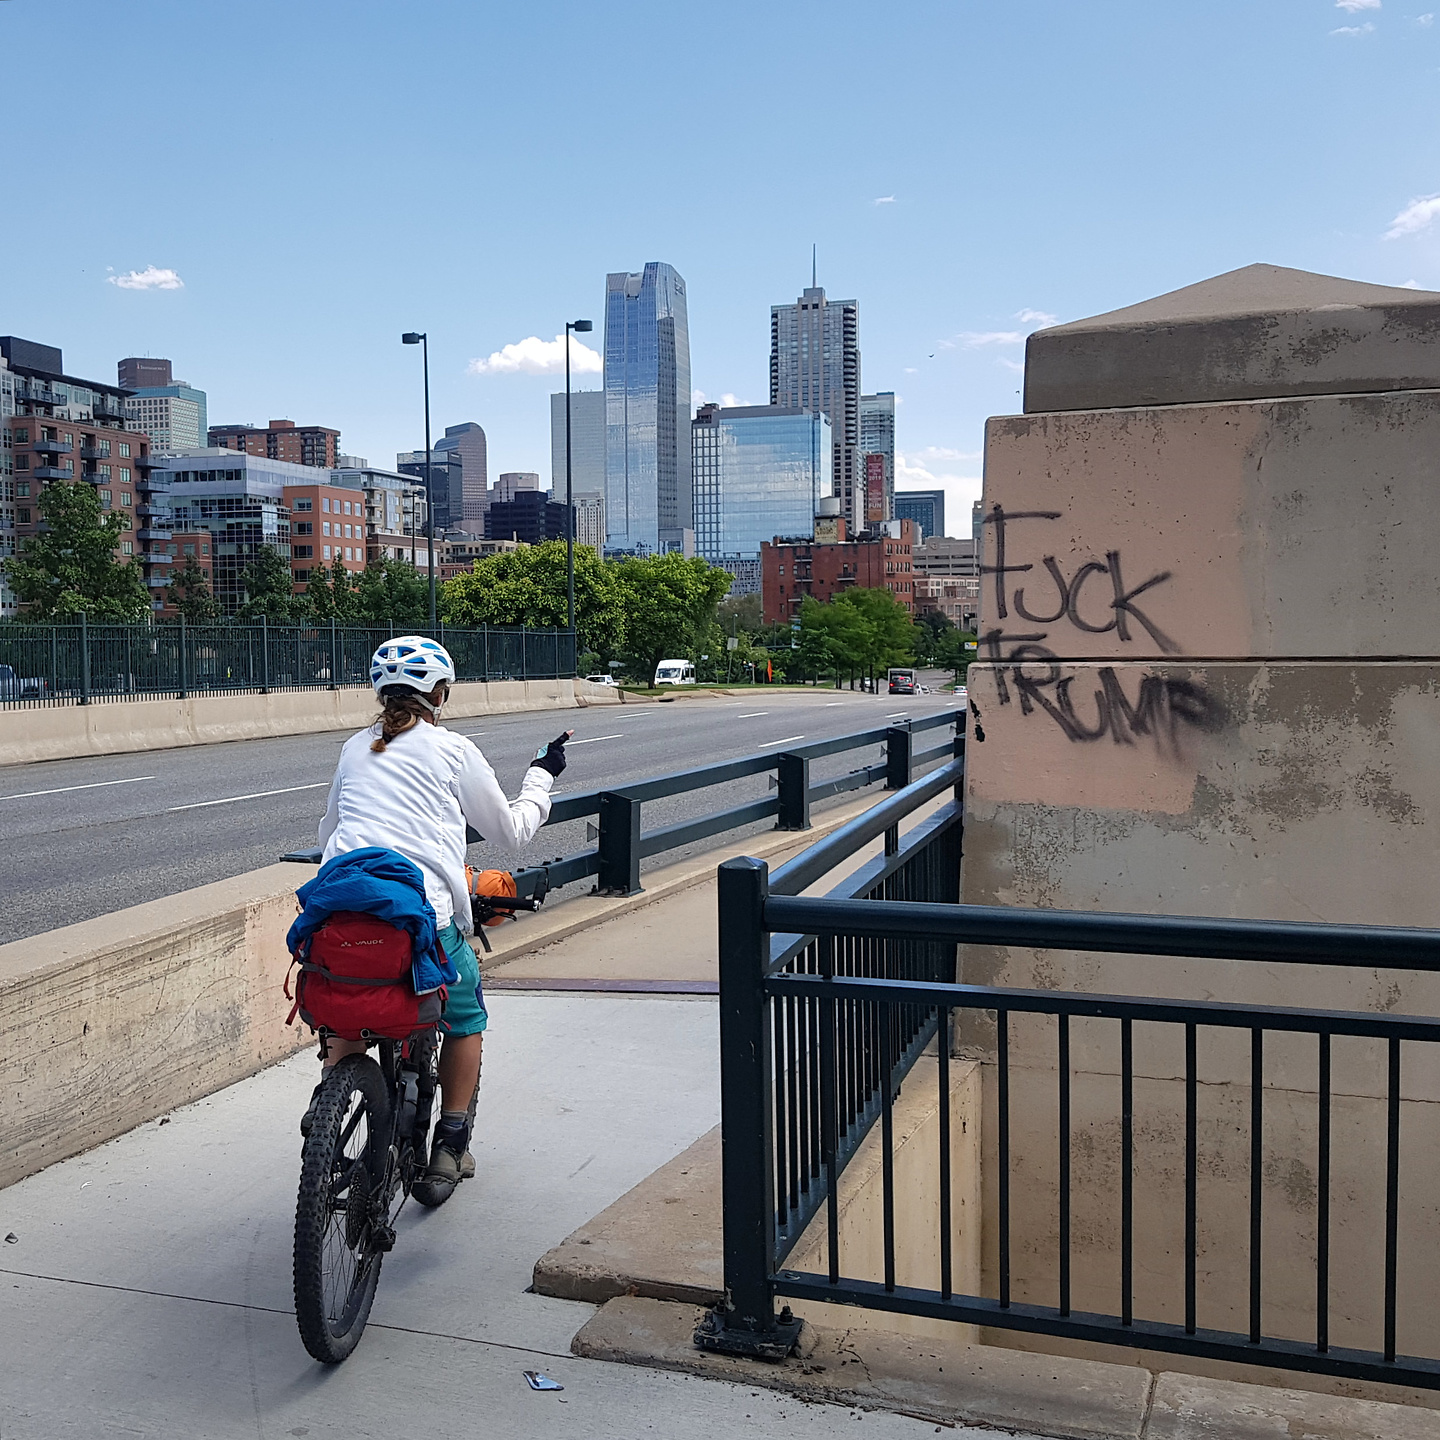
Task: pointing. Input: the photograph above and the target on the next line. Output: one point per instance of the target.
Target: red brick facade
(282, 440)
(789, 571)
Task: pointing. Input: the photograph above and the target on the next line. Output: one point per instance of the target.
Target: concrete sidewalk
(149, 1280)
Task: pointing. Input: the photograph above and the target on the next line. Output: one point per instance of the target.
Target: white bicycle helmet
(412, 661)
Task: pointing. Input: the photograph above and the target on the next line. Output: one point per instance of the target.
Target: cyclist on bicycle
(407, 784)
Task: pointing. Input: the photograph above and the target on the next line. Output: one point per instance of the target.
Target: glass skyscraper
(815, 365)
(760, 471)
(877, 437)
(648, 502)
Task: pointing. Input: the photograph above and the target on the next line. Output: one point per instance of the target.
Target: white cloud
(911, 370)
(1411, 285)
(534, 356)
(150, 278)
(727, 401)
(1364, 29)
(1010, 364)
(1415, 217)
(1042, 318)
(1351, 6)
(938, 467)
(976, 338)
(883, 200)
(1427, 19)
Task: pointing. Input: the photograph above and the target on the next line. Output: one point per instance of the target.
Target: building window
(347, 507)
(105, 499)
(127, 547)
(304, 504)
(325, 506)
(302, 552)
(124, 449)
(301, 575)
(327, 552)
(23, 489)
(204, 549)
(124, 497)
(22, 462)
(304, 527)
(105, 449)
(22, 436)
(123, 475)
(189, 549)
(22, 517)
(325, 527)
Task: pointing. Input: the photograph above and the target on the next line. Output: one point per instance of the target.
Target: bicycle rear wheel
(342, 1172)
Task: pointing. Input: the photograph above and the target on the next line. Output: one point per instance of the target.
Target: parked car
(675, 672)
(603, 680)
(20, 687)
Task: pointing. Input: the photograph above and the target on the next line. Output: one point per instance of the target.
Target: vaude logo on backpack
(355, 981)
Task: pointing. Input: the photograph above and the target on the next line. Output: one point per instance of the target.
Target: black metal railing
(82, 663)
(826, 1003)
(622, 842)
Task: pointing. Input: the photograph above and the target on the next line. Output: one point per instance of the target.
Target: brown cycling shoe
(447, 1169)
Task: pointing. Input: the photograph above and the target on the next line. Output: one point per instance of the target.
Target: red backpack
(355, 981)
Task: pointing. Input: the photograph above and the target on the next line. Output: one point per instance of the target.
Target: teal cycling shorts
(465, 1009)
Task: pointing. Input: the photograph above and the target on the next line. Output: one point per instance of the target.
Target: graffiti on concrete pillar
(1095, 599)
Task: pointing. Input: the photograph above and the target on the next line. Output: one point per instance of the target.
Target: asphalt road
(87, 837)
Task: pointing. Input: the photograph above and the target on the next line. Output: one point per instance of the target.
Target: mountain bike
(366, 1147)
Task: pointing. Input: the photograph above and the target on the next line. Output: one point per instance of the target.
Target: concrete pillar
(1210, 615)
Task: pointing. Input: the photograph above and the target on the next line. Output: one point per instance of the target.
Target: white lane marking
(258, 795)
(750, 715)
(594, 738)
(831, 704)
(785, 741)
(896, 714)
(65, 789)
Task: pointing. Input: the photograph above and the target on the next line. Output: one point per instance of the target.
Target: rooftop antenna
(813, 281)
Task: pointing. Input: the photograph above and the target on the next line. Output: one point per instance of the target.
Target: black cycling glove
(552, 756)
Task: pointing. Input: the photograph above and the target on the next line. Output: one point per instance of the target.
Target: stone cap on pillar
(1257, 333)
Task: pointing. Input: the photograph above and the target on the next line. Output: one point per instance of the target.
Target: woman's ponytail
(402, 711)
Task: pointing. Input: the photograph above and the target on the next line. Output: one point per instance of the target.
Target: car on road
(21, 687)
(609, 680)
(902, 682)
(962, 694)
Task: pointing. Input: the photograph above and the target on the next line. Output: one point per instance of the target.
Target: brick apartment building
(792, 569)
(282, 440)
(327, 527)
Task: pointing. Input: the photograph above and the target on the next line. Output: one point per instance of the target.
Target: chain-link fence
(84, 663)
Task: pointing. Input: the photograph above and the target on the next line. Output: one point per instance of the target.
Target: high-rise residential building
(758, 471)
(171, 412)
(447, 481)
(925, 507)
(589, 518)
(648, 504)
(142, 372)
(281, 440)
(394, 513)
(587, 442)
(877, 437)
(466, 442)
(815, 365)
(54, 426)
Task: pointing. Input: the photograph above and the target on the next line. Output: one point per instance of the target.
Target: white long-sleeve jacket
(416, 796)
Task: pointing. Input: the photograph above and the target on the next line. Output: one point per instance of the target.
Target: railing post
(84, 658)
(746, 1323)
(264, 655)
(334, 657)
(619, 847)
(184, 685)
(897, 757)
(793, 776)
(960, 726)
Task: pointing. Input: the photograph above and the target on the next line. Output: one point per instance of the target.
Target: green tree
(889, 633)
(70, 567)
(527, 587)
(189, 593)
(331, 595)
(669, 604)
(740, 612)
(392, 591)
(269, 590)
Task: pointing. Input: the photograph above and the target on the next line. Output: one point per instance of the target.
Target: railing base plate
(774, 1344)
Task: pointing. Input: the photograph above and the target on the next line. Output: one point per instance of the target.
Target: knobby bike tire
(336, 1264)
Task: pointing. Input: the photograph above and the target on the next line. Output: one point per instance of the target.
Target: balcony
(157, 582)
(91, 452)
(53, 447)
(143, 462)
(159, 557)
(166, 534)
(52, 472)
(148, 486)
(39, 395)
(146, 512)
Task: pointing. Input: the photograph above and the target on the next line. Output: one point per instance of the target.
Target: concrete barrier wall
(114, 1021)
(62, 732)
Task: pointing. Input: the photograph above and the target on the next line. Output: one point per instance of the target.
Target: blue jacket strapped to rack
(382, 883)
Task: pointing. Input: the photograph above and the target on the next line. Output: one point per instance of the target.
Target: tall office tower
(926, 508)
(877, 437)
(587, 442)
(815, 365)
(447, 482)
(648, 506)
(511, 483)
(468, 442)
(139, 372)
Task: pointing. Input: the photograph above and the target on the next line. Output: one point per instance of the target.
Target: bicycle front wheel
(342, 1178)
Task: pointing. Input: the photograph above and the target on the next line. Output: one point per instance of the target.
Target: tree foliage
(268, 590)
(669, 604)
(392, 592)
(860, 632)
(527, 587)
(70, 567)
(189, 593)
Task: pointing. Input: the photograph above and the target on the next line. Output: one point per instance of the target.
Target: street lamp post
(582, 327)
(422, 339)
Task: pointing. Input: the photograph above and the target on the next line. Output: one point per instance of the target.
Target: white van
(675, 672)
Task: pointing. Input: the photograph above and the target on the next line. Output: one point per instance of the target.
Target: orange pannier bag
(491, 882)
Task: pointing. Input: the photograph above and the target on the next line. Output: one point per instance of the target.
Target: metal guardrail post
(794, 778)
(619, 847)
(334, 658)
(84, 658)
(960, 753)
(184, 686)
(746, 1323)
(898, 744)
(264, 656)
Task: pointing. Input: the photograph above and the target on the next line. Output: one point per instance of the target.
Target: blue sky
(321, 176)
